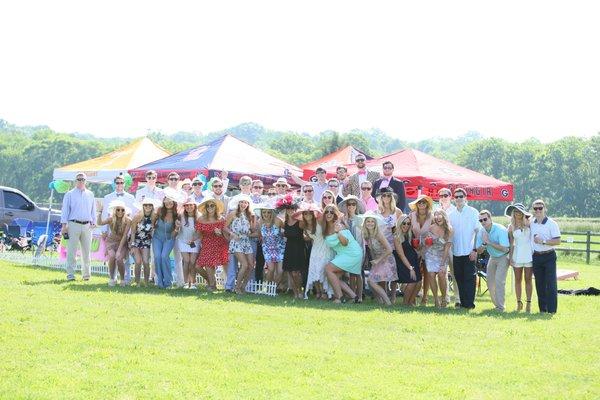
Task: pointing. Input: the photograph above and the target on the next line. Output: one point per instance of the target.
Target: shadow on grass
(98, 283)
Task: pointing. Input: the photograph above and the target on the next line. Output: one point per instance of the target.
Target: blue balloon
(202, 179)
(51, 185)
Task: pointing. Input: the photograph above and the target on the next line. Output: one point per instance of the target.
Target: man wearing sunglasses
(465, 223)
(361, 176)
(78, 219)
(388, 180)
(150, 191)
(545, 235)
(493, 238)
(319, 186)
(217, 192)
(308, 192)
(129, 200)
(197, 195)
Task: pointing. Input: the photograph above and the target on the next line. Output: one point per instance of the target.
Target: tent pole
(49, 212)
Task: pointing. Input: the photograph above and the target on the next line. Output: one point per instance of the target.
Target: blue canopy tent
(226, 153)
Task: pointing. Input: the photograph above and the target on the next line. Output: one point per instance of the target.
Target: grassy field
(86, 340)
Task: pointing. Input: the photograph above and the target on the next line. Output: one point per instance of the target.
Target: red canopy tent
(429, 174)
(342, 156)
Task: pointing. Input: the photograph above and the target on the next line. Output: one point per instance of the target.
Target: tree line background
(565, 173)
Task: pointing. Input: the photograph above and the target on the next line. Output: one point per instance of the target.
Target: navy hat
(517, 206)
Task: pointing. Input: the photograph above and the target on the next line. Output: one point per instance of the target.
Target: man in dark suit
(388, 180)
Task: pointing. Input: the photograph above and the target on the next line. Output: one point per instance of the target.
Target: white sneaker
(111, 282)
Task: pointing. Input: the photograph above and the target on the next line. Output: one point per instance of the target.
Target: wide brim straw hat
(118, 203)
(186, 181)
(360, 206)
(147, 200)
(174, 195)
(282, 181)
(413, 204)
(219, 203)
(384, 191)
(233, 203)
(317, 212)
(371, 214)
(258, 208)
(189, 200)
(517, 206)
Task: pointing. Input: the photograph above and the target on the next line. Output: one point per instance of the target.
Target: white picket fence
(99, 268)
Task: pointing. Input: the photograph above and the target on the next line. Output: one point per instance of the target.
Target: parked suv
(15, 204)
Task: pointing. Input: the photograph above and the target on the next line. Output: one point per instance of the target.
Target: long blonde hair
(398, 231)
(382, 207)
(445, 225)
(513, 221)
(333, 198)
(367, 236)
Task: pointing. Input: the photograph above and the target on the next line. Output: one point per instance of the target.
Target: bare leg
(111, 265)
(425, 286)
(393, 291)
(528, 287)
(519, 286)
(296, 284)
(146, 261)
(379, 292)
(434, 289)
(137, 256)
(210, 277)
(442, 278)
(334, 281)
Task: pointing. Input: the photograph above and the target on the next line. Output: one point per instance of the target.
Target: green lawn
(85, 340)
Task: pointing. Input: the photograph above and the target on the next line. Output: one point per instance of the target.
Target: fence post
(588, 247)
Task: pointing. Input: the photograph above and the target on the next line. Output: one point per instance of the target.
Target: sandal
(528, 306)
(444, 304)
(519, 305)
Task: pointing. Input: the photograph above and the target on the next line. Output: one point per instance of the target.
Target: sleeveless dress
(349, 257)
(214, 248)
(186, 235)
(523, 249)
(413, 258)
(143, 234)
(294, 257)
(113, 240)
(272, 243)
(434, 255)
(320, 256)
(390, 224)
(241, 227)
(385, 270)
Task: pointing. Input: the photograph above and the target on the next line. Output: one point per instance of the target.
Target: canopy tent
(105, 168)
(420, 171)
(226, 153)
(342, 156)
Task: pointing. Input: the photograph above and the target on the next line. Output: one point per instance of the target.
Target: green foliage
(565, 173)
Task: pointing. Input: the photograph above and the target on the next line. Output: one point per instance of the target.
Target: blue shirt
(498, 234)
(79, 205)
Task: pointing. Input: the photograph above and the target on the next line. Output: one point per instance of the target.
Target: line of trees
(565, 173)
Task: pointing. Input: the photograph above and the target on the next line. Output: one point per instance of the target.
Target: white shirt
(145, 192)
(465, 224)
(546, 229)
(126, 198)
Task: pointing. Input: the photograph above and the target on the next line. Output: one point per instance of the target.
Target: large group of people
(332, 240)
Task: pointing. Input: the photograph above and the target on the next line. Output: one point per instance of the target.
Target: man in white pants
(494, 238)
(78, 221)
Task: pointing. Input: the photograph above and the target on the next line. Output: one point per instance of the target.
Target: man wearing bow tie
(362, 175)
(388, 180)
(128, 199)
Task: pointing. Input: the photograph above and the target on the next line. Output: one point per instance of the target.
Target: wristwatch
(544, 241)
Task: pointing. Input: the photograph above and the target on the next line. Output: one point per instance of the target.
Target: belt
(79, 222)
(539, 253)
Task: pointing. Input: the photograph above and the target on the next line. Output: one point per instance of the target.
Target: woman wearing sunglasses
(386, 200)
(214, 251)
(407, 261)
(116, 241)
(348, 253)
(141, 239)
(521, 251)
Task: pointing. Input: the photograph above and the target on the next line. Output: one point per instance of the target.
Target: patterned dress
(385, 270)
(272, 243)
(434, 254)
(241, 227)
(143, 234)
(214, 248)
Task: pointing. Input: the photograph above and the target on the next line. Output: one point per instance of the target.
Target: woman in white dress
(521, 250)
(320, 255)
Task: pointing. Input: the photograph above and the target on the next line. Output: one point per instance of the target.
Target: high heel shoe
(519, 305)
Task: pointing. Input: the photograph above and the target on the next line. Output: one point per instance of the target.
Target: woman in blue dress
(348, 253)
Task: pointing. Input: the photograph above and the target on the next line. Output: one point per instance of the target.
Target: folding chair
(481, 265)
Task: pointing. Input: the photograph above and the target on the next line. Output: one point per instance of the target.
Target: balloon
(128, 180)
(51, 185)
(61, 186)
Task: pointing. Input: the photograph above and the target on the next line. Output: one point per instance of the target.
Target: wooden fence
(566, 242)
